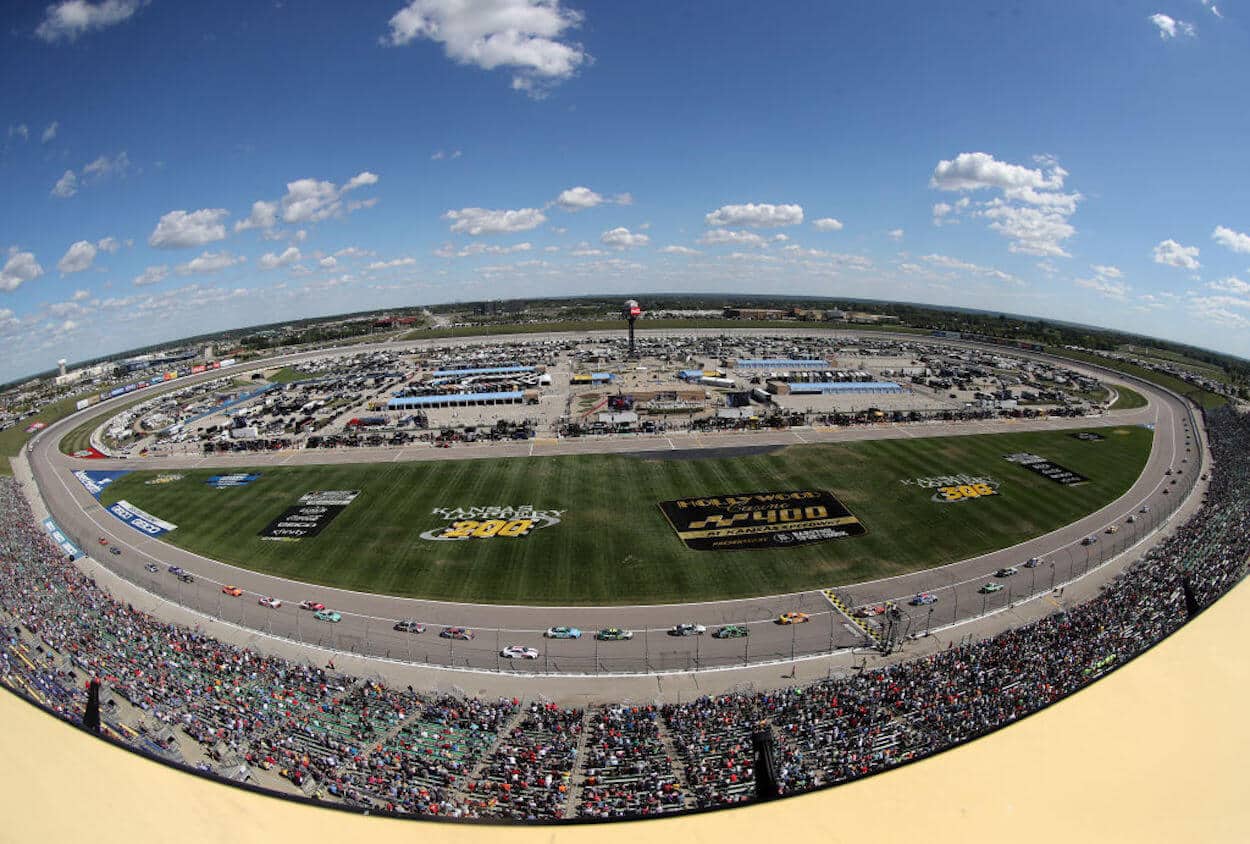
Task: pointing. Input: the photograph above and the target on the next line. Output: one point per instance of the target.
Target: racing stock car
(614, 634)
(272, 603)
(563, 633)
(923, 599)
(793, 618)
(731, 631)
(461, 633)
(519, 652)
(687, 629)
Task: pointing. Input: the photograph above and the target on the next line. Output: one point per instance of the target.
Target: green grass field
(613, 545)
(1128, 399)
(287, 374)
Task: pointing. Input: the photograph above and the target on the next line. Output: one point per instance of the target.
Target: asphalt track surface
(367, 619)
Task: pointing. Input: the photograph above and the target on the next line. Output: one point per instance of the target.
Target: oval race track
(368, 619)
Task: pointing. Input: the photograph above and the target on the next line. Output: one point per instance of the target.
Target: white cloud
(77, 258)
(81, 295)
(1231, 285)
(730, 237)
(50, 132)
(20, 268)
(67, 326)
(449, 250)
(758, 216)
(1229, 239)
(66, 186)
(827, 224)
(484, 221)
(1107, 271)
(680, 250)
(108, 244)
(186, 229)
(270, 261)
(21, 130)
(104, 166)
(152, 275)
(71, 18)
(450, 156)
(361, 179)
(1172, 254)
(585, 250)
(329, 262)
(578, 198)
(1215, 10)
(209, 262)
(353, 252)
(524, 35)
(1107, 282)
(393, 264)
(946, 262)
(264, 216)
(1032, 210)
(895, 234)
(622, 238)
(1170, 27)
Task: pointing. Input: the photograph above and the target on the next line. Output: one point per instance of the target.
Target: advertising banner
(89, 453)
(58, 536)
(227, 481)
(36, 426)
(1045, 468)
(139, 520)
(760, 520)
(314, 511)
(95, 482)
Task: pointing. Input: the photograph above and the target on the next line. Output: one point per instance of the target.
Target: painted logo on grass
(952, 488)
(310, 516)
(760, 520)
(500, 522)
(163, 479)
(228, 481)
(1045, 468)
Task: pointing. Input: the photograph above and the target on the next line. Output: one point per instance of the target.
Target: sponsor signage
(36, 426)
(760, 520)
(139, 520)
(490, 522)
(159, 480)
(951, 488)
(1088, 436)
(64, 542)
(95, 482)
(227, 481)
(89, 454)
(310, 516)
(1045, 468)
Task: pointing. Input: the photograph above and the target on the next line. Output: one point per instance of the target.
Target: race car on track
(870, 610)
(311, 605)
(613, 634)
(185, 577)
(687, 630)
(272, 603)
(793, 618)
(409, 626)
(231, 590)
(1113, 529)
(328, 615)
(519, 652)
(923, 599)
(174, 570)
(1090, 540)
(1145, 508)
(462, 633)
(152, 567)
(1130, 520)
(103, 541)
(731, 631)
(114, 550)
(1007, 572)
(563, 633)
(990, 588)
(1032, 562)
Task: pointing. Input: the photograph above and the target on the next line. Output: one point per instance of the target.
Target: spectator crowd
(174, 692)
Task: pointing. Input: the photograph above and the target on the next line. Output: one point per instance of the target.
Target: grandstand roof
(453, 398)
(781, 363)
(846, 387)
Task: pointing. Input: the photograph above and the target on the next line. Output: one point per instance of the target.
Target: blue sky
(172, 168)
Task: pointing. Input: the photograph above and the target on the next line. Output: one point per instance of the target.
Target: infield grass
(1128, 399)
(613, 545)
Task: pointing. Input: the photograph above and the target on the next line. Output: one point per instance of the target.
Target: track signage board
(139, 520)
(753, 520)
(310, 516)
(1046, 468)
(504, 522)
(95, 482)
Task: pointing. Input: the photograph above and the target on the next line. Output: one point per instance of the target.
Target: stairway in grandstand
(578, 784)
(678, 763)
(459, 794)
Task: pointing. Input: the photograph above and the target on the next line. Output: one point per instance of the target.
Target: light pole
(929, 624)
(1052, 575)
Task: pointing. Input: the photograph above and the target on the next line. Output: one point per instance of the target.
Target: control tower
(631, 312)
